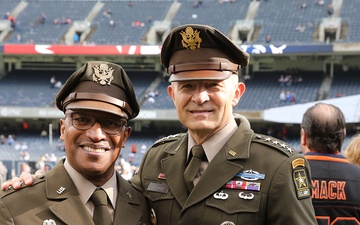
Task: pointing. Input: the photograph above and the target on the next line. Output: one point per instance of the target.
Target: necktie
(192, 169)
(101, 212)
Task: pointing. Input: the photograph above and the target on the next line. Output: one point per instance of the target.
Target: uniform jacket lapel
(123, 212)
(225, 165)
(60, 187)
(174, 167)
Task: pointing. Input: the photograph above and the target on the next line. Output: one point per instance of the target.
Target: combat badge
(300, 179)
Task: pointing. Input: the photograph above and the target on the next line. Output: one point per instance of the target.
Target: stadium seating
(130, 21)
(263, 90)
(32, 30)
(350, 13)
(219, 15)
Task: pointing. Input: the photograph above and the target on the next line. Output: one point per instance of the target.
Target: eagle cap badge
(103, 74)
(190, 38)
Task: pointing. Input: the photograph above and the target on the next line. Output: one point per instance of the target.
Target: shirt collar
(86, 188)
(213, 145)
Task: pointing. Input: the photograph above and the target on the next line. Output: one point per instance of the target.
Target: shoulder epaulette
(169, 138)
(11, 190)
(275, 143)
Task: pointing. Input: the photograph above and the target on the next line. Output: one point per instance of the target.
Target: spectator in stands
(94, 129)
(40, 164)
(10, 140)
(301, 28)
(12, 20)
(52, 158)
(76, 38)
(58, 84)
(24, 155)
(133, 148)
(320, 2)
(52, 81)
(112, 23)
(282, 96)
(292, 97)
(24, 146)
(330, 9)
(268, 39)
(352, 152)
(107, 13)
(143, 148)
(42, 18)
(60, 145)
(2, 139)
(335, 181)
(43, 133)
(204, 95)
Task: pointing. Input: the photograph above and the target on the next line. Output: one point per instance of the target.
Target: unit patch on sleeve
(301, 183)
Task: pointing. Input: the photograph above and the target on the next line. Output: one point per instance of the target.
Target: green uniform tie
(101, 212)
(192, 169)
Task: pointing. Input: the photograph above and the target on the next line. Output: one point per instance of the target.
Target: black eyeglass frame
(94, 120)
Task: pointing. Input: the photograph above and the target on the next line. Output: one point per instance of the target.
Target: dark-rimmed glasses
(83, 121)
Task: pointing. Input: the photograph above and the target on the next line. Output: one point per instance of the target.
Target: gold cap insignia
(103, 74)
(190, 38)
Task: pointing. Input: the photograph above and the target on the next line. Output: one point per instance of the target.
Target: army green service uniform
(254, 179)
(54, 200)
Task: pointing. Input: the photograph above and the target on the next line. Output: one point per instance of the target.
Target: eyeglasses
(82, 121)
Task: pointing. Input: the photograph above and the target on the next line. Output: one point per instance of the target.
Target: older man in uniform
(97, 100)
(241, 177)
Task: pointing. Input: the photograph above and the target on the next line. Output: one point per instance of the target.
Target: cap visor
(200, 75)
(96, 105)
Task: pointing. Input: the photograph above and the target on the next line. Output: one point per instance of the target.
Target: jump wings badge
(103, 74)
(190, 38)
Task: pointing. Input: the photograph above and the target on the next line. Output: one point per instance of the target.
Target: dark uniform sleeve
(290, 194)
(5, 216)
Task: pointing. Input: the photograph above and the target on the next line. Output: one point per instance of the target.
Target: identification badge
(157, 187)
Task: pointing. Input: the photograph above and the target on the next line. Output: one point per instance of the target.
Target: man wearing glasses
(97, 100)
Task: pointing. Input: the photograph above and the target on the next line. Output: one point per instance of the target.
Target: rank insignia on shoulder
(168, 138)
(301, 183)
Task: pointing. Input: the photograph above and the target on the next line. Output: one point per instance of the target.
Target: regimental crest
(190, 38)
(103, 74)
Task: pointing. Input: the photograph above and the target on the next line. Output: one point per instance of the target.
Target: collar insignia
(103, 74)
(190, 38)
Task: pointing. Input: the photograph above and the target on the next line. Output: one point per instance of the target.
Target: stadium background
(54, 37)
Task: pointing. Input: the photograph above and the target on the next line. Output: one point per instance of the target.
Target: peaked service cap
(189, 49)
(101, 86)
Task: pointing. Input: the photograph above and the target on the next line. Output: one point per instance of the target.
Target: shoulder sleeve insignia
(301, 182)
(298, 162)
(169, 138)
(300, 177)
